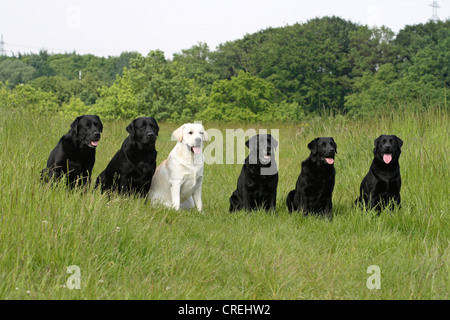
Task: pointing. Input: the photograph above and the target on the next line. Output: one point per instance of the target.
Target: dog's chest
(143, 167)
(191, 180)
(261, 186)
(386, 182)
(194, 177)
(77, 166)
(388, 187)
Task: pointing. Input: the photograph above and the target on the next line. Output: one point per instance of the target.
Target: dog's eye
(190, 132)
(201, 132)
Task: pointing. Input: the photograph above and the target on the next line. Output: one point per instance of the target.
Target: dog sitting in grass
(131, 169)
(74, 154)
(177, 182)
(381, 186)
(315, 184)
(257, 183)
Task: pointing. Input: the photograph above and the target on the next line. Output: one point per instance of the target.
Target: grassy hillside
(128, 249)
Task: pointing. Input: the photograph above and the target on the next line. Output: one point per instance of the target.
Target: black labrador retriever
(315, 184)
(74, 154)
(131, 169)
(382, 183)
(257, 183)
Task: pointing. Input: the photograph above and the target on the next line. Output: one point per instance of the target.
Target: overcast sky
(109, 27)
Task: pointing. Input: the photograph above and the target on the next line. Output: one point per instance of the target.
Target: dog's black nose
(150, 134)
(198, 141)
(96, 136)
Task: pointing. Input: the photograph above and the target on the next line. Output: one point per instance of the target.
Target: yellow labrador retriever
(177, 182)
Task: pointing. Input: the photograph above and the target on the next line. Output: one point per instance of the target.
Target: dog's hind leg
(290, 201)
(234, 203)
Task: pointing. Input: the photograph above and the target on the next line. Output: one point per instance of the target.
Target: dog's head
(192, 135)
(387, 148)
(323, 150)
(87, 129)
(143, 130)
(262, 149)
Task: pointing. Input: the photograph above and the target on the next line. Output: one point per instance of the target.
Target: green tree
(307, 63)
(121, 62)
(152, 86)
(197, 64)
(242, 98)
(63, 88)
(40, 62)
(119, 100)
(371, 48)
(166, 87)
(15, 72)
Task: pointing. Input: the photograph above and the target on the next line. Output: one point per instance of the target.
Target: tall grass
(128, 249)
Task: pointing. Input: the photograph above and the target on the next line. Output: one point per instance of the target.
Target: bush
(74, 108)
(29, 98)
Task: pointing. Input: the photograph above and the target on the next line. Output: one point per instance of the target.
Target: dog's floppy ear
(178, 134)
(156, 127)
(399, 141)
(205, 134)
(313, 146)
(335, 145)
(252, 143)
(74, 126)
(100, 123)
(273, 142)
(375, 142)
(130, 128)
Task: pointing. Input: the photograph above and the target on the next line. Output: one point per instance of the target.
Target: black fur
(132, 167)
(74, 154)
(315, 184)
(382, 183)
(257, 183)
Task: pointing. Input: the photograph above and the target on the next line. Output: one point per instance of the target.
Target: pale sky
(107, 28)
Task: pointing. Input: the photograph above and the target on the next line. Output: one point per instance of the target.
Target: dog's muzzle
(197, 147)
(95, 139)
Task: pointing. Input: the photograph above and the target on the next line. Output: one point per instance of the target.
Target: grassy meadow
(128, 249)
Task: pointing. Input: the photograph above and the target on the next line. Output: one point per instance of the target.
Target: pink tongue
(387, 158)
(196, 150)
(329, 160)
(94, 143)
(266, 156)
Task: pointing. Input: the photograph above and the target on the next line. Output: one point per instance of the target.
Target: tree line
(281, 74)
